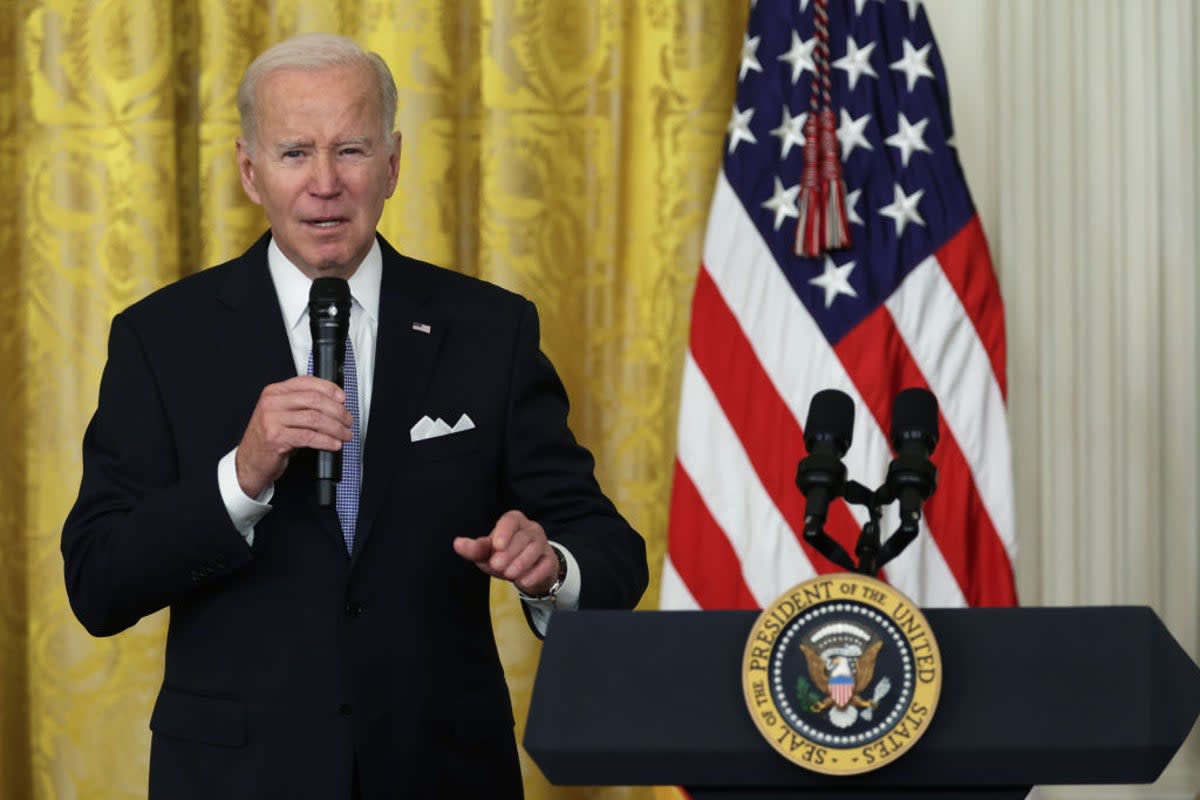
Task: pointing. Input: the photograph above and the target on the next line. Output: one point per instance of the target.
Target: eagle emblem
(841, 661)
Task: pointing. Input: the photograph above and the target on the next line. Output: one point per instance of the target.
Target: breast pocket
(447, 446)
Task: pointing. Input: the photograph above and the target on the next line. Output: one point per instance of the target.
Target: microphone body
(911, 476)
(821, 475)
(329, 322)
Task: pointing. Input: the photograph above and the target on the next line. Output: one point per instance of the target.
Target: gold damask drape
(563, 148)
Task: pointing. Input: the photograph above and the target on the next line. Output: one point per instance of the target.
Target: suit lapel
(255, 341)
(256, 345)
(407, 346)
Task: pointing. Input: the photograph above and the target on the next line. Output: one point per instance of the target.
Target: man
(311, 654)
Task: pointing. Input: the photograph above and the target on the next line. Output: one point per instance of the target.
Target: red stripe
(878, 360)
(769, 433)
(701, 553)
(968, 268)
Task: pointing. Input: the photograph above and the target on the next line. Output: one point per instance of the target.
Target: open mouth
(326, 223)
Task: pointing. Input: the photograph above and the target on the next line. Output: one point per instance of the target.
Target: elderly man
(316, 652)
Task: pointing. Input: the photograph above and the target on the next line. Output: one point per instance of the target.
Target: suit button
(345, 709)
(353, 609)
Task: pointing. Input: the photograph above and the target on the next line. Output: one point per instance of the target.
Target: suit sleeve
(551, 479)
(140, 534)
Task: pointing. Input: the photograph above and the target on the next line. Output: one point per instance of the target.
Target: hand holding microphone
(307, 411)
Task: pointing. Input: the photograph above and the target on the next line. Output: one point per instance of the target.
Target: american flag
(913, 302)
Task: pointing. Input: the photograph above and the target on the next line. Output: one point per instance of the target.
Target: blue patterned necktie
(351, 482)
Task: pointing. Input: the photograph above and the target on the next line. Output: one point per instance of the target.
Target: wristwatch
(552, 592)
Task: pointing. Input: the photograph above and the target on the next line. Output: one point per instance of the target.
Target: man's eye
(352, 151)
(293, 153)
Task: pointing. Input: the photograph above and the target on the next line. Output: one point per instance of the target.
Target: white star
(790, 131)
(749, 57)
(913, 64)
(850, 134)
(859, 4)
(783, 202)
(913, 5)
(800, 56)
(739, 127)
(856, 62)
(904, 209)
(851, 207)
(835, 280)
(803, 5)
(908, 138)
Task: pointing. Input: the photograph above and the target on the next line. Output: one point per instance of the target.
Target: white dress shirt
(292, 288)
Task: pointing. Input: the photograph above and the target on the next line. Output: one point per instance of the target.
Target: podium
(1030, 696)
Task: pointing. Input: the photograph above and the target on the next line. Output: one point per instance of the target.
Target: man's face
(320, 166)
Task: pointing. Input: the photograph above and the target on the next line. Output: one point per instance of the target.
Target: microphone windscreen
(329, 290)
(915, 416)
(830, 419)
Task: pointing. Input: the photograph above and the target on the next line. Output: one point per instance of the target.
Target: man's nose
(324, 180)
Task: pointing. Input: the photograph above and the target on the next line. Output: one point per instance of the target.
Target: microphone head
(329, 290)
(915, 419)
(329, 303)
(830, 421)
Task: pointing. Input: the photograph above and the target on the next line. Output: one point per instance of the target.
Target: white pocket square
(427, 428)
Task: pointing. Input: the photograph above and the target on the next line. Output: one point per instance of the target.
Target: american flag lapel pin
(422, 327)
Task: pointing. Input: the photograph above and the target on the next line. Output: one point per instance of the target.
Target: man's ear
(246, 171)
(394, 163)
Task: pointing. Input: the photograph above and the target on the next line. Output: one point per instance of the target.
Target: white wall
(1076, 123)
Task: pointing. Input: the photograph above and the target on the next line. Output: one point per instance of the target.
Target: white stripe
(673, 594)
(710, 452)
(799, 361)
(957, 366)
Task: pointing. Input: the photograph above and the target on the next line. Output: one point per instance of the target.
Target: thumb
(476, 550)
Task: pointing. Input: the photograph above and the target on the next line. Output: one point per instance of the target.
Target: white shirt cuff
(244, 512)
(567, 597)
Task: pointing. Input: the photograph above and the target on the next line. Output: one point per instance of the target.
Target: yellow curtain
(565, 149)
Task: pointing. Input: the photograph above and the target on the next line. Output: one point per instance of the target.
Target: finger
(310, 399)
(524, 562)
(506, 527)
(476, 550)
(312, 421)
(310, 383)
(540, 577)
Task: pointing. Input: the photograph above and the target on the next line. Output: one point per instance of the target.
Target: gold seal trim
(842, 674)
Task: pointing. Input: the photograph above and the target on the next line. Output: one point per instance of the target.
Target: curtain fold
(564, 149)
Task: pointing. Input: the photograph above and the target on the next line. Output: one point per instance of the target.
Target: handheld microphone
(911, 475)
(329, 321)
(821, 475)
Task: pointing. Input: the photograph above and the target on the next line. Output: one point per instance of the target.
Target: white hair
(314, 51)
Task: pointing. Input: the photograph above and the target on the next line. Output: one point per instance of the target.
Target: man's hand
(516, 550)
(300, 412)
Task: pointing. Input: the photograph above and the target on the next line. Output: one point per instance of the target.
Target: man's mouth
(326, 222)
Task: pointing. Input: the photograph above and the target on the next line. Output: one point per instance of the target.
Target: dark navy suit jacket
(290, 664)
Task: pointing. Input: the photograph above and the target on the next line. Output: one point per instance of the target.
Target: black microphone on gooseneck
(912, 477)
(329, 321)
(827, 435)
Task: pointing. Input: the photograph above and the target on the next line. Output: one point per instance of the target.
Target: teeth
(327, 223)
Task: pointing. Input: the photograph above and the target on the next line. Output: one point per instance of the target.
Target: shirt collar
(292, 286)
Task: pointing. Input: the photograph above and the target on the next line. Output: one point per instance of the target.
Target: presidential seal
(842, 674)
